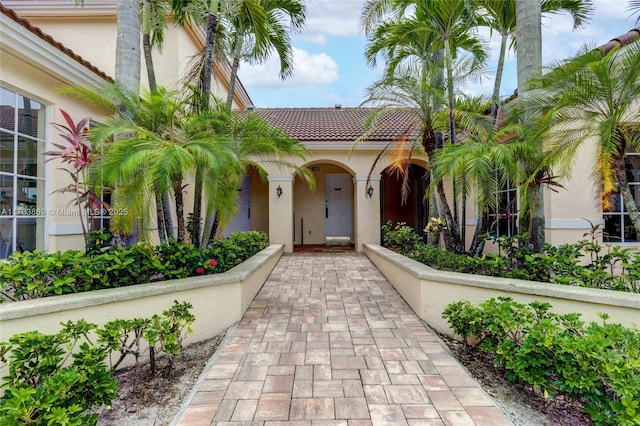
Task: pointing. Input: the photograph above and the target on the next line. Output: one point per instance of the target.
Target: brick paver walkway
(328, 341)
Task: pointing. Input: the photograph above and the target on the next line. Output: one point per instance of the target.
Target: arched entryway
(324, 216)
(414, 210)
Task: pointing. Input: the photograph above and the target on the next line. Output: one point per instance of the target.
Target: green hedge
(37, 274)
(606, 267)
(596, 364)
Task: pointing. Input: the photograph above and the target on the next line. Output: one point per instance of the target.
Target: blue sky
(330, 67)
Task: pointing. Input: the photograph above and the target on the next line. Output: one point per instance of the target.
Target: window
(617, 226)
(503, 219)
(22, 196)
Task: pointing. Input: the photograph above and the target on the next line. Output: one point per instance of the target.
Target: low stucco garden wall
(428, 291)
(218, 301)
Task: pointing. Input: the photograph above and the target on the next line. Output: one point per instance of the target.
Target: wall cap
(559, 291)
(45, 305)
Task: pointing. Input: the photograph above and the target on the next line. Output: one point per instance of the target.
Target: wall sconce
(370, 191)
(279, 191)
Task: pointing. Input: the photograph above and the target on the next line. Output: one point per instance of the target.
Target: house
(44, 46)
(41, 51)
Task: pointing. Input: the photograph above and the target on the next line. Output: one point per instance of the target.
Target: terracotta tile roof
(38, 32)
(336, 124)
(622, 40)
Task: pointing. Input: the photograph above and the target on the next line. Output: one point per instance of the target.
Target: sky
(330, 69)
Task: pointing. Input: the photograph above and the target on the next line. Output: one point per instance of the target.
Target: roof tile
(337, 124)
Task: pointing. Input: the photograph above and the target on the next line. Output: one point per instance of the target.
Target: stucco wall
(429, 291)
(218, 301)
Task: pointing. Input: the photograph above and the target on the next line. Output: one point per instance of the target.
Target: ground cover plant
(57, 379)
(30, 275)
(597, 364)
(585, 263)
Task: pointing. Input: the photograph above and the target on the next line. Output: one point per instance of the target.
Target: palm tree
(274, 36)
(500, 15)
(634, 7)
(486, 157)
(450, 25)
(529, 64)
(256, 145)
(413, 91)
(164, 142)
(594, 97)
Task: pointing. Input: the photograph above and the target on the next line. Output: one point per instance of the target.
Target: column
(281, 211)
(367, 210)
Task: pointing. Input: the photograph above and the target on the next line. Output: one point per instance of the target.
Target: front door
(338, 200)
(242, 220)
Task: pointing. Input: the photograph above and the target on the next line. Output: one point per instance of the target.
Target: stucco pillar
(367, 211)
(281, 211)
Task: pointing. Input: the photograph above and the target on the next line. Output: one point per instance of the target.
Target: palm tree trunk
(146, 45)
(477, 244)
(499, 71)
(207, 65)
(166, 211)
(205, 90)
(128, 66)
(197, 207)
(214, 230)
(177, 193)
(237, 51)
(536, 220)
(451, 232)
(452, 140)
(127, 69)
(162, 235)
(529, 63)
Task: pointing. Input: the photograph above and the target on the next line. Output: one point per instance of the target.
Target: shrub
(43, 388)
(37, 274)
(611, 267)
(598, 364)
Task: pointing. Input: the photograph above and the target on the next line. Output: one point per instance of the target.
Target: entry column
(281, 211)
(367, 215)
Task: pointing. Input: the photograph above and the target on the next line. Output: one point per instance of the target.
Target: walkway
(328, 341)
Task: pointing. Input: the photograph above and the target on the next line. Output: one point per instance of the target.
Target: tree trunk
(214, 230)
(536, 220)
(529, 64)
(177, 193)
(146, 45)
(495, 98)
(128, 65)
(237, 51)
(451, 232)
(205, 87)
(207, 65)
(197, 207)
(127, 68)
(162, 235)
(477, 244)
(166, 211)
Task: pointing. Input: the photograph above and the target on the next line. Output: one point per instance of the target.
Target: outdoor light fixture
(279, 191)
(370, 191)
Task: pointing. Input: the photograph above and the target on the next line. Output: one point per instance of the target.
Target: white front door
(242, 220)
(338, 190)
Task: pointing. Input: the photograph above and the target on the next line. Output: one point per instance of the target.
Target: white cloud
(309, 70)
(332, 18)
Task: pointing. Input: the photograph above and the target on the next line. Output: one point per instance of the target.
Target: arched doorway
(414, 210)
(324, 216)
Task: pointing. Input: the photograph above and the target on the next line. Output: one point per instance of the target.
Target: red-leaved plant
(78, 154)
